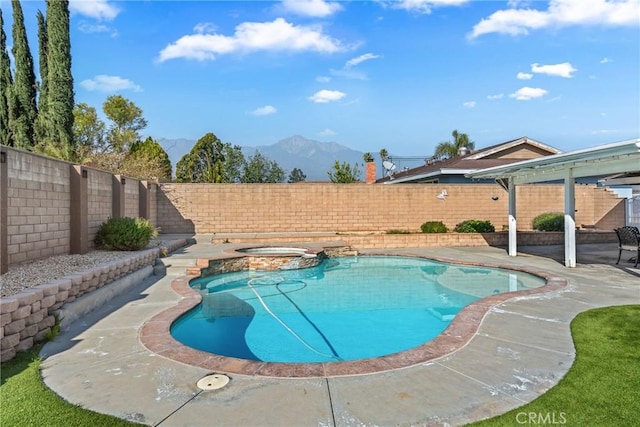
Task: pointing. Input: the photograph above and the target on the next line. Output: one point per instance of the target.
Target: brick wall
(38, 207)
(247, 208)
(131, 198)
(38, 212)
(100, 198)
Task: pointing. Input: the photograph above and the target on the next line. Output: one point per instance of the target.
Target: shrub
(550, 221)
(474, 226)
(433, 227)
(125, 234)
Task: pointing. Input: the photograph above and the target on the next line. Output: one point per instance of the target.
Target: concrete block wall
(252, 208)
(131, 194)
(38, 210)
(100, 195)
(26, 318)
(52, 207)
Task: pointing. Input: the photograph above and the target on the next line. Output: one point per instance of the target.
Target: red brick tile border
(156, 337)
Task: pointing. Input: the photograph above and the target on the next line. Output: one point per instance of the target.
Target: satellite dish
(388, 165)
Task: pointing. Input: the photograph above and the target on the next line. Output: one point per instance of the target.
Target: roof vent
(462, 151)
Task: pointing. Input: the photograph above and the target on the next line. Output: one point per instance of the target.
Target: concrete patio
(522, 348)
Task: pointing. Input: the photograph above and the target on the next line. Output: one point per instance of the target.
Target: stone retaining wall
(26, 318)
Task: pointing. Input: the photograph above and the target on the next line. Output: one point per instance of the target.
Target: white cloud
(205, 27)
(495, 97)
(565, 69)
(524, 76)
(469, 104)
(327, 132)
(421, 6)
(518, 3)
(323, 79)
(560, 13)
(264, 111)
(278, 35)
(606, 60)
(348, 74)
(101, 10)
(87, 27)
(315, 8)
(527, 93)
(104, 83)
(360, 59)
(323, 96)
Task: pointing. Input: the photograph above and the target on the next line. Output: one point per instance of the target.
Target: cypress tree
(41, 126)
(24, 88)
(6, 82)
(59, 110)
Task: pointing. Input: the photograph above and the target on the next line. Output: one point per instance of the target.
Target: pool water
(346, 308)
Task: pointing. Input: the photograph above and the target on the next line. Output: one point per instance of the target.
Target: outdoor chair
(629, 238)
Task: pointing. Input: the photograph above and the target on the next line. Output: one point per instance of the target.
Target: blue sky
(366, 74)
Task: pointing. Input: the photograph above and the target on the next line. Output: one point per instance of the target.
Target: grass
(602, 387)
(26, 401)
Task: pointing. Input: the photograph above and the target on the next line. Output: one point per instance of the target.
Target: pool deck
(521, 349)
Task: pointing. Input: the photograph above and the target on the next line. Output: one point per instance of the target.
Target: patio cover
(609, 159)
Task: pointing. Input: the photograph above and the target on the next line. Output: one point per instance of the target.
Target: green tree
(23, 112)
(126, 122)
(452, 148)
(384, 154)
(260, 169)
(344, 173)
(147, 160)
(58, 117)
(88, 132)
(296, 175)
(233, 163)
(43, 96)
(204, 163)
(6, 83)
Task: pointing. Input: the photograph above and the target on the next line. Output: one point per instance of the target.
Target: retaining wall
(27, 317)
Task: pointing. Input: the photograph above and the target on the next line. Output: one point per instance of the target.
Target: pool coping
(155, 334)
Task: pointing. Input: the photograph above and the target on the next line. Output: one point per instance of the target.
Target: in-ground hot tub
(281, 257)
(276, 250)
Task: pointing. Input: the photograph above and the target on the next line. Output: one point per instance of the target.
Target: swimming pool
(346, 308)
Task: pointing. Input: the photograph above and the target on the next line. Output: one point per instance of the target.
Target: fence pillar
(4, 198)
(143, 199)
(117, 205)
(79, 227)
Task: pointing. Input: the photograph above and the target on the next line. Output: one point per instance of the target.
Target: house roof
(619, 157)
(496, 155)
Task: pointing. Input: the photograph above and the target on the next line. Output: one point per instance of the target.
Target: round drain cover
(213, 382)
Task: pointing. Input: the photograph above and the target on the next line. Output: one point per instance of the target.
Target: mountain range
(313, 158)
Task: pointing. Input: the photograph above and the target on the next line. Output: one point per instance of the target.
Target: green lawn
(602, 388)
(26, 401)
